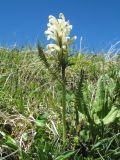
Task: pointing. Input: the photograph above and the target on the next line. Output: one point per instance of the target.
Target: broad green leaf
(9, 141)
(111, 116)
(40, 123)
(66, 155)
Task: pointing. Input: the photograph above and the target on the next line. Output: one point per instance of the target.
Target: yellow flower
(59, 31)
(53, 47)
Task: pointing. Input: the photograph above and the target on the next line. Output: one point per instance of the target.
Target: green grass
(31, 110)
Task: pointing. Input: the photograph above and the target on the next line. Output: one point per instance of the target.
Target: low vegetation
(59, 106)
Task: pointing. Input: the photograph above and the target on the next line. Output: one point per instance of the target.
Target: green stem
(77, 117)
(64, 104)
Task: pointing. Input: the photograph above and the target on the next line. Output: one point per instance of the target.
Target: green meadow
(59, 105)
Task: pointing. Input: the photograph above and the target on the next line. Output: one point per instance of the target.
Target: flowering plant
(59, 32)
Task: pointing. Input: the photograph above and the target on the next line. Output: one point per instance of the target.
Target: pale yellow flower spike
(59, 31)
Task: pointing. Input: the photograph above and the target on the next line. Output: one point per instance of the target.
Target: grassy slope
(28, 90)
